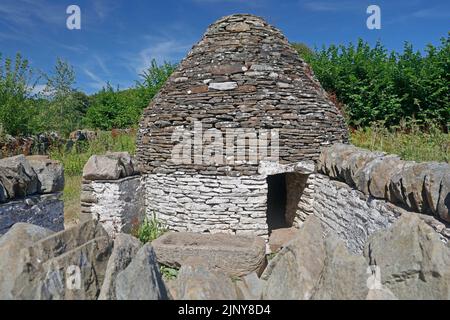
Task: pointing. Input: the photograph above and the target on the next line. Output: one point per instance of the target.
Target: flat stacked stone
(242, 74)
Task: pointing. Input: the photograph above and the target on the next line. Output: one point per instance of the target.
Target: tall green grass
(74, 160)
(409, 142)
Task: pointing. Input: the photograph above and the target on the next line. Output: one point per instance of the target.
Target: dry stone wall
(30, 191)
(419, 187)
(112, 192)
(209, 204)
(342, 193)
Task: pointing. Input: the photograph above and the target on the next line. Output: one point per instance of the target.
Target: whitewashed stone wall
(117, 204)
(350, 213)
(208, 203)
(43, 210)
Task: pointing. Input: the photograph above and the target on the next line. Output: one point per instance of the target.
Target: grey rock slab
(50, 173)
(443, 207)
(344, 276)
(18, 177)
(125, 248)
(74, 275)
(141, 280)
(102, 168)
(250, 287)
(413, 261)
(232, 254)
(44, 265)
(295, 271)
(21, 235)
(198, 282)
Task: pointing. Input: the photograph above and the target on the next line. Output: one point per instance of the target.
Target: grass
(75, 159)
(168, 273)
(150, 229)
(71, 198)
(410, 143)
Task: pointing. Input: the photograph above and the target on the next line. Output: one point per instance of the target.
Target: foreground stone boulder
(231, 254)
(280, 237)
(66, 265)
(3, 193)
(125, 248)
(413, 262)
(141, 280)
(50, 173)
(126, 162)
(444, 198)
(17, 177)
(101, 168)
(198, 282)
(295, 271)
(20, 236)
(315, 267)
(112, 166)
(250, 287)
(344, 275)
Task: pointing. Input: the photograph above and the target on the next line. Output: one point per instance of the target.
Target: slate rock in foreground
(141, 280)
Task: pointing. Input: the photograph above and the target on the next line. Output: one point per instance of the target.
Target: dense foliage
(121, 109)
(371, 85)
(375, 85)
(16, 84)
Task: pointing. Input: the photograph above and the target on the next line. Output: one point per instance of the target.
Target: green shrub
(114, 108)
(75, 159)
(17, 109)
(377, 85)
(168, 272)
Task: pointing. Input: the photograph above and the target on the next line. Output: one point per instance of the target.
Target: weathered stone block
(233, 255)
(198, 282)
(49, 172)
(141, 280)
(18, 177)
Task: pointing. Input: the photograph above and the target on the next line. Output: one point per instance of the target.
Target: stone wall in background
(37, 144)
(41, 144)
(112, 192)
(243, 74)
(30, 191)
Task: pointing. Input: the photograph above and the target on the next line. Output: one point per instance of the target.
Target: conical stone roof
(243, 73)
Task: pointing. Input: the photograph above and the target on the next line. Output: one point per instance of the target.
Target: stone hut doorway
(283, 195)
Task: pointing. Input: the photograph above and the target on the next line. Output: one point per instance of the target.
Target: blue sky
(119, 38)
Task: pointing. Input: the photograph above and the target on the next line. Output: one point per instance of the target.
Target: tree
(112, 108)
(17, 82)
(303, 50)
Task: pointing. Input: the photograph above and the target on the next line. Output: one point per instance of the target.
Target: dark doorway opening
(276, 202)
(284, 193)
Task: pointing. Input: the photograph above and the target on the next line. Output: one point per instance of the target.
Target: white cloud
(435, 12)
(327, 6)
(39, 89)
(103, 8)
(162, 50)
(101, 64)
(28, 13)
